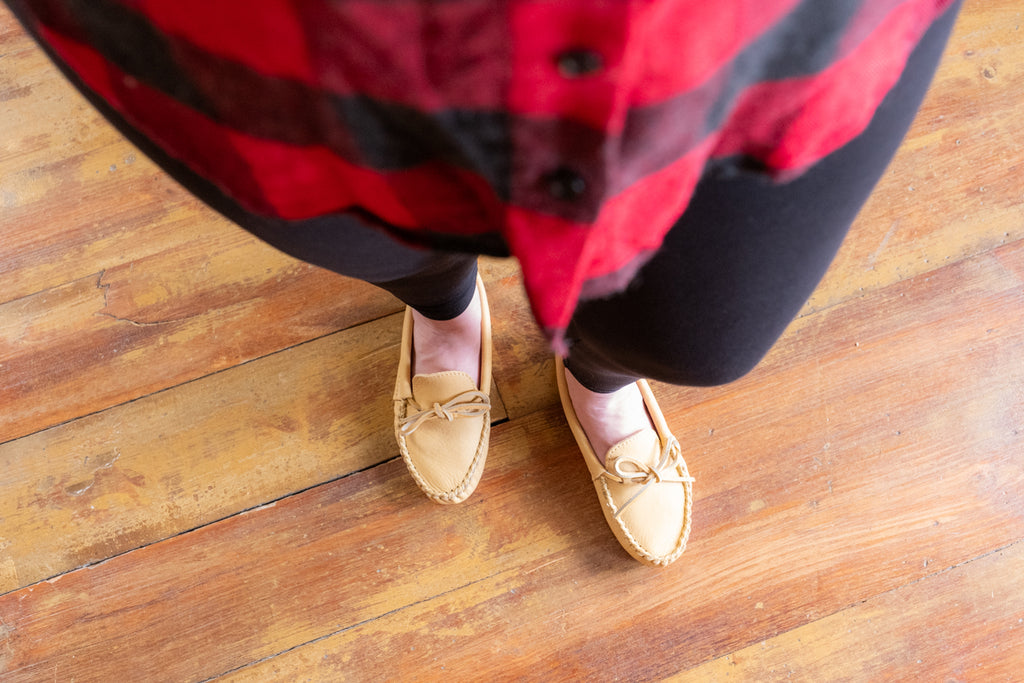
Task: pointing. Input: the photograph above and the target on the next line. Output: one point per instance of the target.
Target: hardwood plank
(523, 358)
(208, 449)
(8, 26)
(197, 307)
(968, 129)
(962, 623)
(205, 450)
(509, 579)
(966, 623)
(135, 329)
(803, 526)
(203, 303)
(876, 446)
(548, 626)
(176, 291)
(359, 531)
(76, 197)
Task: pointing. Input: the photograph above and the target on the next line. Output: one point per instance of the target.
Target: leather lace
(467, 404)
(628, 470)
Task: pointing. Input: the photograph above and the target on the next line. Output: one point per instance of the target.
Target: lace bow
(634, 471)
(467, 404)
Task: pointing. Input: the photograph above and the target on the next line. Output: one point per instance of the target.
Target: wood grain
(135, 329)
(179, 459)
(68, 229)
(904, 634)
(204, 424)
(167, 463)
(802, 529)
(787, 521)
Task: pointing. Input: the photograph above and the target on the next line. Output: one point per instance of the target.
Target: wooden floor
(198, 478)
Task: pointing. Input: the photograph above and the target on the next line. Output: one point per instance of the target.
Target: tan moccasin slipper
(645, 490)
(443, 420)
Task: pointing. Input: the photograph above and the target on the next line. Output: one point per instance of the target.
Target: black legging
(741, 262)
(732, 273)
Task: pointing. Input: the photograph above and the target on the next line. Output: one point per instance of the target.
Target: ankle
(445, 345)
(608, 418)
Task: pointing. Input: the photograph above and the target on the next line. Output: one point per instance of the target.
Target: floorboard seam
(190, 381)
(863, 293)
(857, 603)
(245, 511)
(354, 626)
(72, 281)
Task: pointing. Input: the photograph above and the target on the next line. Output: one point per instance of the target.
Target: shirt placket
(563, 104)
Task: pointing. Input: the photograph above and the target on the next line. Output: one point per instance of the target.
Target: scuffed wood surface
(204, 425)
(902, 635)
(180, 459)
(888, 482)
(176, 460)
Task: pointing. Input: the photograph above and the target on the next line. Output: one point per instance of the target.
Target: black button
(576, 63)
(565, 185)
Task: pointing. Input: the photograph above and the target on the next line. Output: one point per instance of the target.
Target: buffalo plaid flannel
(574, 129)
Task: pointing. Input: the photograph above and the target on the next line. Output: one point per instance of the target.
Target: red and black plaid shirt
(575, 129)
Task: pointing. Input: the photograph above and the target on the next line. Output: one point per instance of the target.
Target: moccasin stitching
(458, 494)
(604, 493)
(450, 410)
(681, 541)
